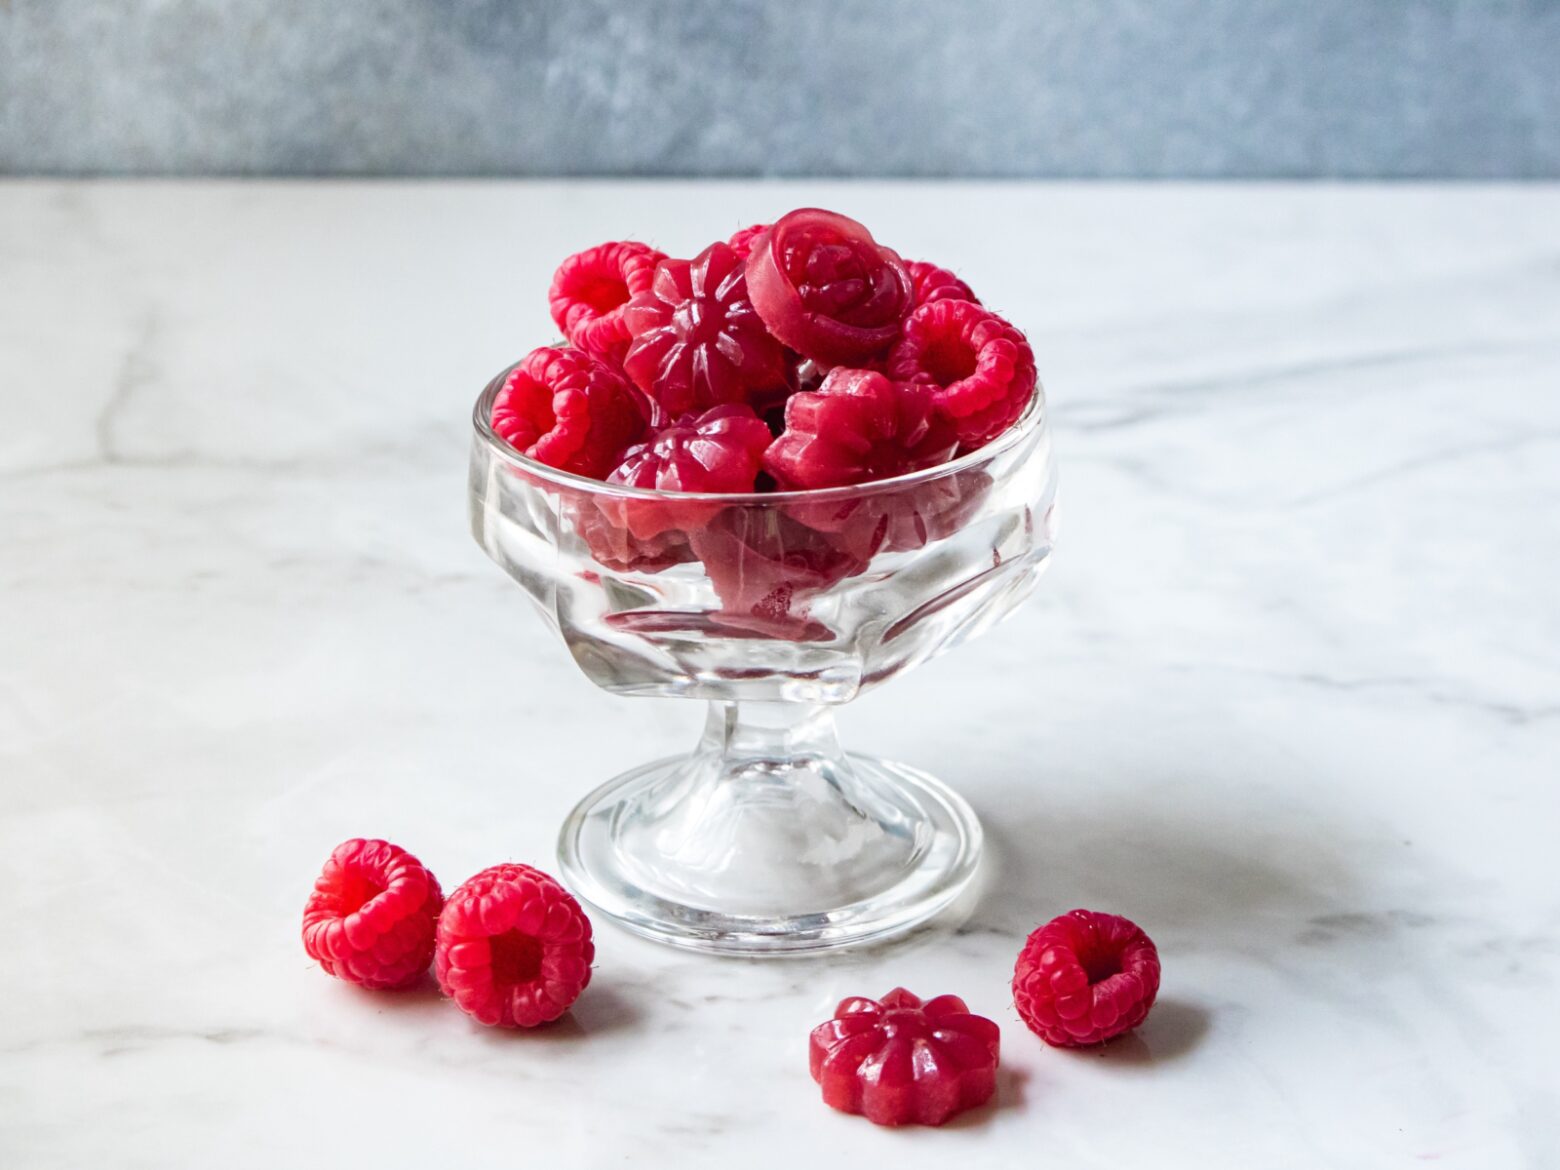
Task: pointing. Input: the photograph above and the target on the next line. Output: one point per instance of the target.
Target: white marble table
(1290, 697)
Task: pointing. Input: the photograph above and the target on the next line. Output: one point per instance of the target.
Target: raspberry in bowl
(784, 488)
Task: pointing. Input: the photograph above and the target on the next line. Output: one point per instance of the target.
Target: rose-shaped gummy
(720, 450)
(899, 1061)
(569, 410)
(590, 290)
(932, 283)
(697, 340)
(980, 369)
(827, 289)
(857, 426)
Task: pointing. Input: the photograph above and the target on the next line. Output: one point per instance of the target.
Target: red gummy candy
(980, 368)
(599, 520)
(899, 1061)
(514, 947)
(569, 410)
(827, 289)
(932, 283)
(590, 290)
(856, 427)
(721, 450)
(1084, 978)
(766, 568)
(742, 242)
(900, 519)
(697, 340)
(370, 919)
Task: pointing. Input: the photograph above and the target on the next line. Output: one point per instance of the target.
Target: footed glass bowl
(772, 607)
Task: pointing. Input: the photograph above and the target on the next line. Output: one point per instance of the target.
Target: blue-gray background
(1201, 88)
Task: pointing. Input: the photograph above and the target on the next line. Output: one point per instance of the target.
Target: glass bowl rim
(1027, 424)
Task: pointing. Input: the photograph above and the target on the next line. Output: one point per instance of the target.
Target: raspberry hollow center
(1100, 966)
(603, 294)
(949, 360)
(516, 958)
(358, 891)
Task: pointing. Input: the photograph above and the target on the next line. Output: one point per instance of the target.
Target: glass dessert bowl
(774, 607)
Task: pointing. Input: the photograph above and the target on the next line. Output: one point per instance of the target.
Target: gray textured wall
(992, 87)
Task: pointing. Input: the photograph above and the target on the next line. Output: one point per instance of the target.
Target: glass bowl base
(770, 856)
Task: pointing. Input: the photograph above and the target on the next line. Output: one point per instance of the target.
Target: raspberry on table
(1084, 978)
(827, 289)
(933, 283)
(697, 340)
(514, 948)
(898, 1061)
(569, 410)
(980, 368)
(370, 919)
(590, 289)
(856, 427)
(743, 239)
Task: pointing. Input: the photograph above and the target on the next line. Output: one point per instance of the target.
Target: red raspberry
(1084, 978)
(569, 410)
(937, 284)
(514, 947)
(856, 427)
(697, 341)
(370, 919)
(827, 289)
(981, 369)
(898, 1060)
(590, 289)
(742, 242)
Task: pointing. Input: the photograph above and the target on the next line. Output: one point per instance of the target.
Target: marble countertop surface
(1289, 697)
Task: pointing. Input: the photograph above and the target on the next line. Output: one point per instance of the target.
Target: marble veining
(1289, 697)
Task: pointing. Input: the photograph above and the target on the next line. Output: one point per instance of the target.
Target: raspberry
(827, 289)
(981, 369)
(1084, 978)
(766, 567)
(697, 341)
(932, 283)
(569, 410)
(742, 242)
(514, 947)
(590, 289)
(856, 427)
(898, 1060)
(370, 919)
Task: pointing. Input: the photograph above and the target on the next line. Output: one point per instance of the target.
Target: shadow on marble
(1173, 1029)
(601, 1010)
(1010, 1095)
(1173, 873)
